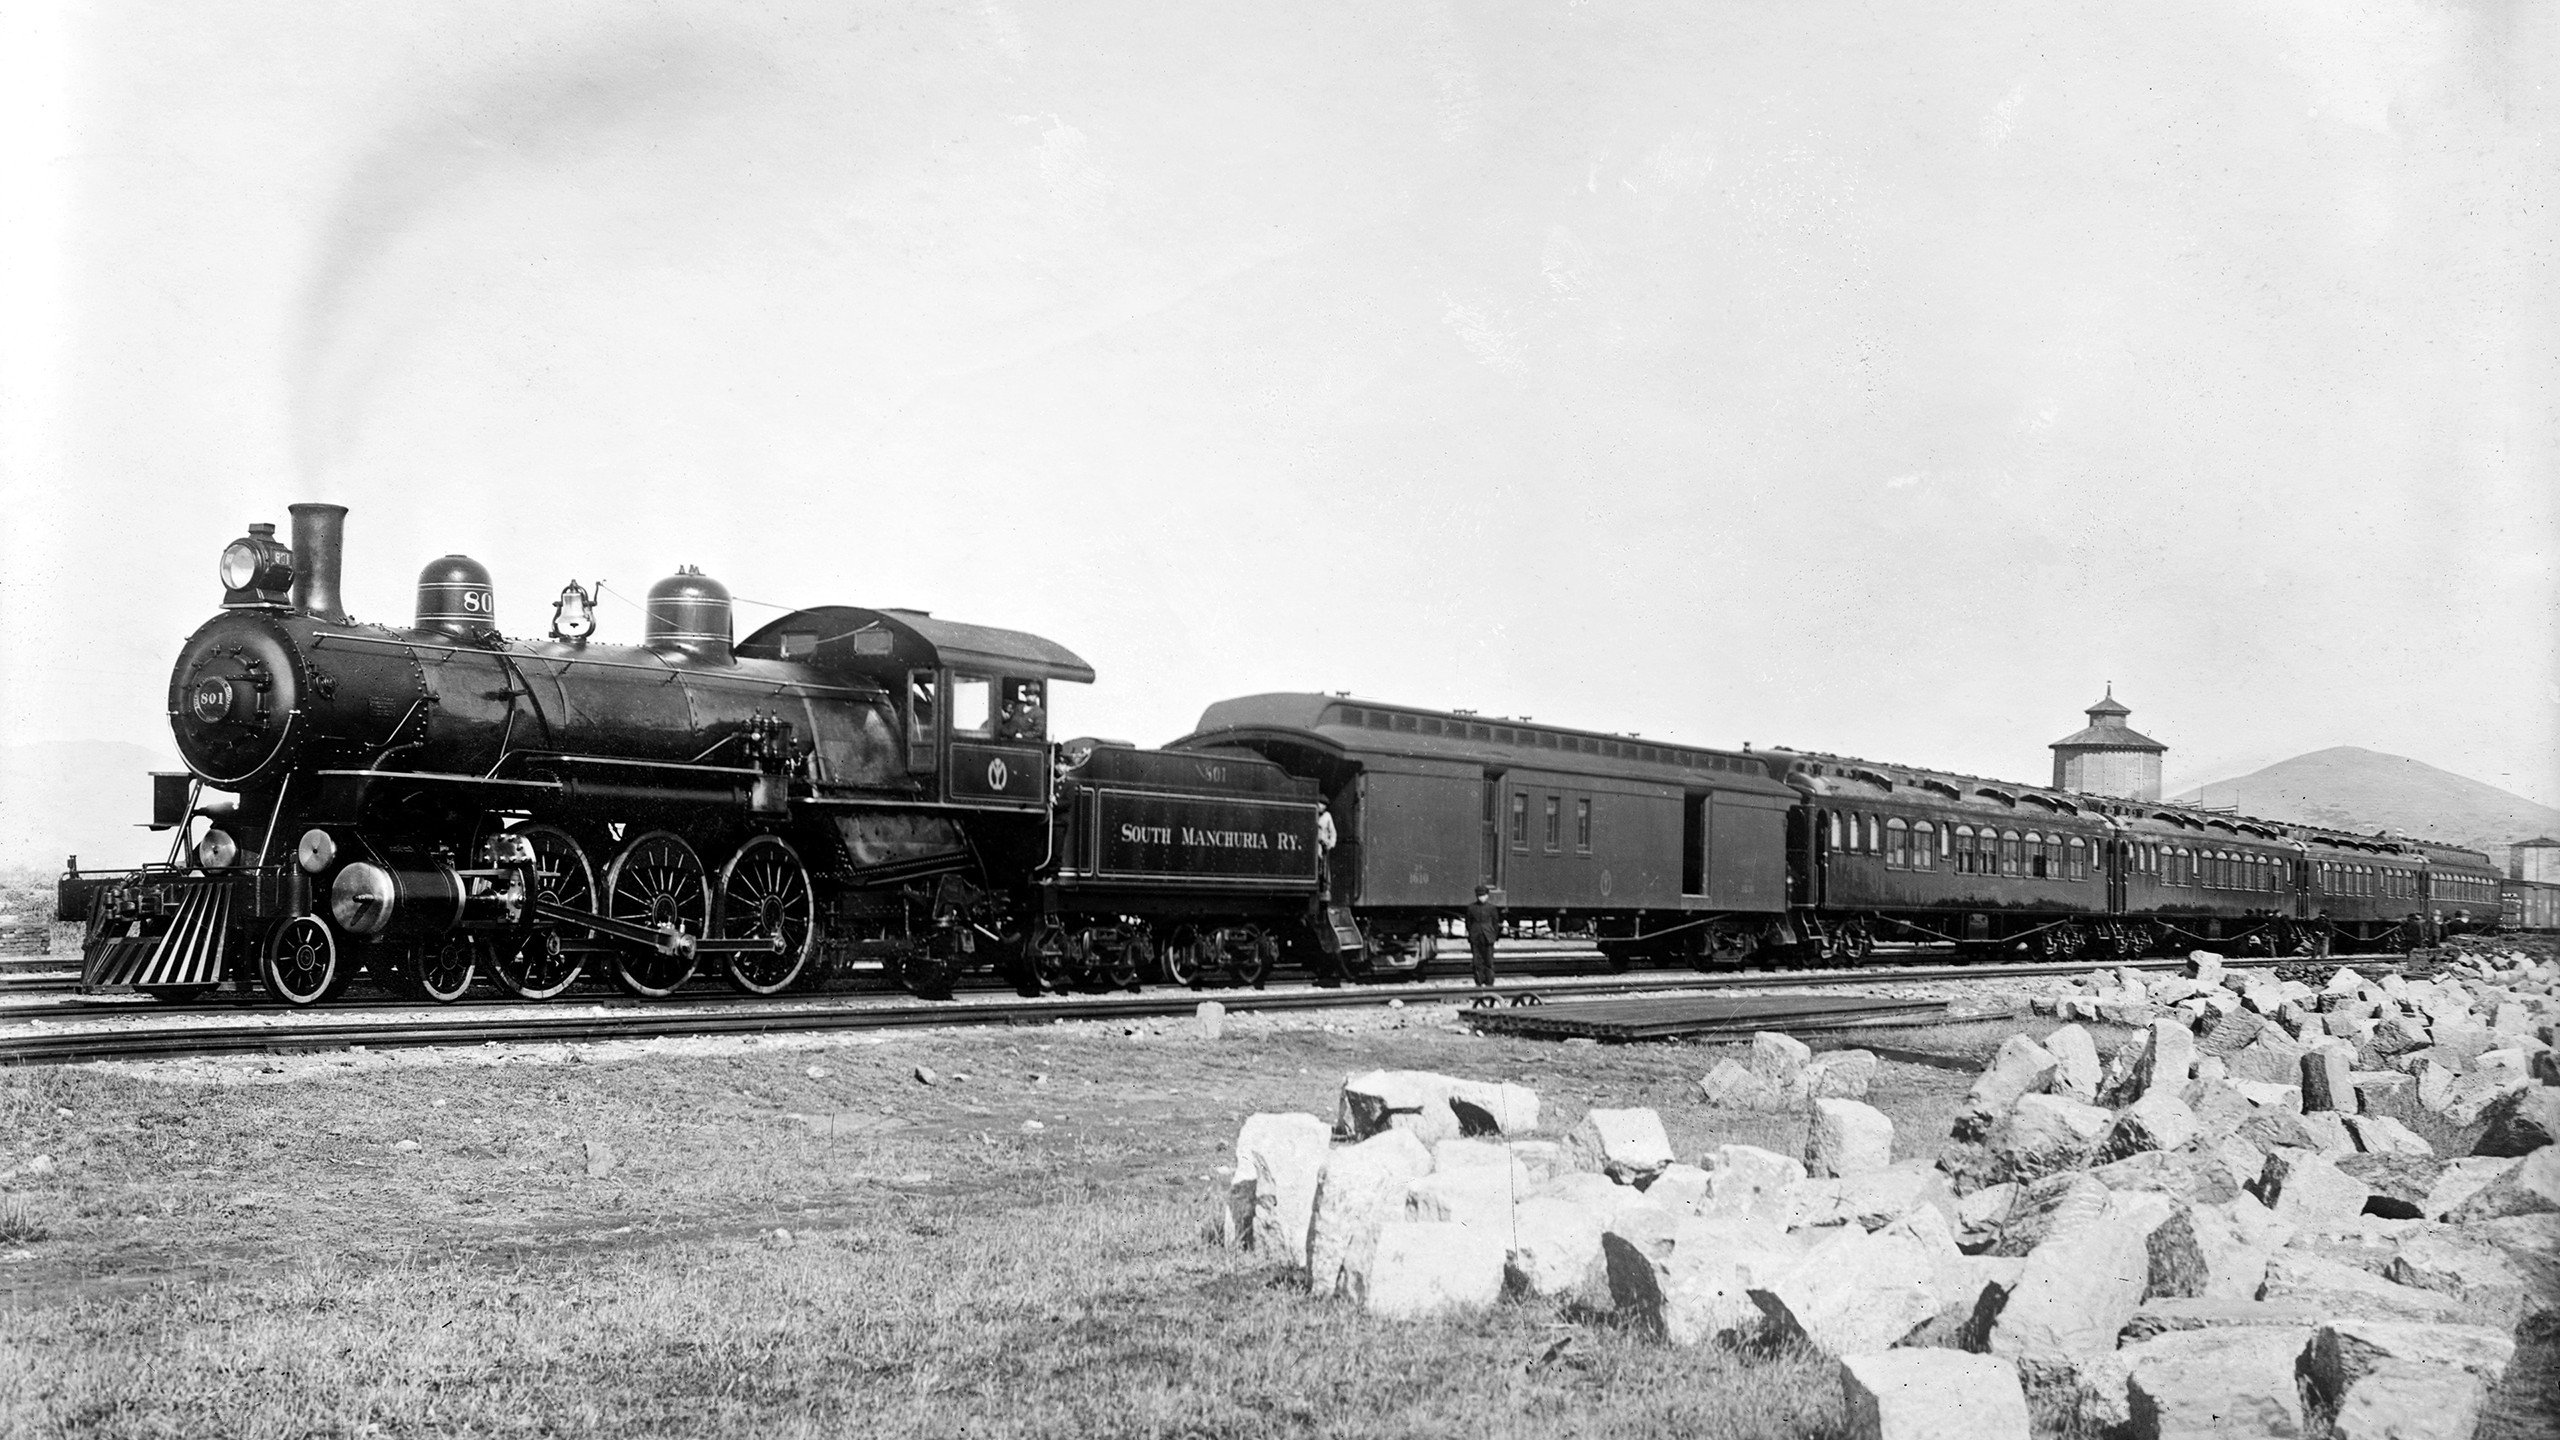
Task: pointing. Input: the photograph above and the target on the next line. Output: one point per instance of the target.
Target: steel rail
(652, 1022)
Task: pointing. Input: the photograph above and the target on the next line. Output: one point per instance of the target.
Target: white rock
(2157, 1121)
(1739, 1176)
(1485, 1107)
(1281, 1156)
(2396, 1401)
(2308, 1190)
(1848, 1137)
(1418, 1271)
(1378, 1099)
(2077, 1290)
(2045, 1133)
(2075, 1063)
(1554, 1245)
(1681, 1187)
(2229, 1381)
(1625, 1145)
(1779, 1059)
(2346, 1350)
(2326, 1082)
(1932, 1395)
(1211, 1017)
(2207, 1252)
(2022, 1068)
(1361, 1188)
(1479, 1195)
(1853, 1293)
(1696, 1287)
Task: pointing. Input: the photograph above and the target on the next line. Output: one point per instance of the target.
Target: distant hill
(2365, 790)
(78, 797)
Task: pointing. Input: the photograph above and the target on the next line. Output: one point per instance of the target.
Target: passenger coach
(1665, 850)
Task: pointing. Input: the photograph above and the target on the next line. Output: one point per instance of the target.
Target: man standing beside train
(1484, 926)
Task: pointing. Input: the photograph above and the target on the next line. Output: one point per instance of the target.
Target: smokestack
(319, 537)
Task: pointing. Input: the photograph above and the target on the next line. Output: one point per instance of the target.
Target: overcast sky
(1883, 379)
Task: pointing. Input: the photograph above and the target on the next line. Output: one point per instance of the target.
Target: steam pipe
(319, 541)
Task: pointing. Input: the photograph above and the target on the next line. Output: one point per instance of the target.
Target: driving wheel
(657, 881)
(543, 958)
(765, 892)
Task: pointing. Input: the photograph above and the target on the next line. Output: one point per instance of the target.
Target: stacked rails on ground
(1669, 1017)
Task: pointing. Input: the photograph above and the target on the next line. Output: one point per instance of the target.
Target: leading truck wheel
(300, 962)
(764, 892)
(657, 881)
(441, 972)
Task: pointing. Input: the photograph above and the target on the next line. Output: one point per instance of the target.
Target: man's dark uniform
(1484, 925)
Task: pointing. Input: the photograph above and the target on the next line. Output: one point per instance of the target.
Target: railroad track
(649, 1020)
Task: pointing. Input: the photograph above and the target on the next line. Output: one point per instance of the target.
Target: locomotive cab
(973, 700)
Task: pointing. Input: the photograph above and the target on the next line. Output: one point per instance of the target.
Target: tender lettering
(1146, 834)
(1226, 839)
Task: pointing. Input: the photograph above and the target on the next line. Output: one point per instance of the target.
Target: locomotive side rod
(665, 939)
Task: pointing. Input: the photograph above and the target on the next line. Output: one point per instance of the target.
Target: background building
(2109, 757)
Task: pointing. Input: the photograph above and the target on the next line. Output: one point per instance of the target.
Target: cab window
(1024, 715)
(923, 705)
(972, 703)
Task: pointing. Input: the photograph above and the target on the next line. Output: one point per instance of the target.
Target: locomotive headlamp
(217, 850)
(315, 852)
(256, 570)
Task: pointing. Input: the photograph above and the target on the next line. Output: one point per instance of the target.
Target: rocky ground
(2280, 1209)
(978, 1232)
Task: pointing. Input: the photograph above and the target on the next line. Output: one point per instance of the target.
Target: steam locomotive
(434, 802)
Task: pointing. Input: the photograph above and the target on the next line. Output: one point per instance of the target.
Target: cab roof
(879, 642)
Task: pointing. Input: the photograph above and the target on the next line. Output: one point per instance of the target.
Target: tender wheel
(441, 972)
(543, 960)
(300, 962)
(1252, 953)
(764, 890)
(1050, 958)
(1125, 963)
(657, 881)
(1183, 960)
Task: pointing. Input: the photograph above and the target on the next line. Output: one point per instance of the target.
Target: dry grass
(586, 1250)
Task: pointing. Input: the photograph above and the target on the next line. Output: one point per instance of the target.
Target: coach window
(2077, 858)
(2034, 854)
(1555, 824)
(1963, 850)
(1519, 822)
(1924, 845)
(1582, 826)
(1897, 845)
(1835, 829)
(2009, 857)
